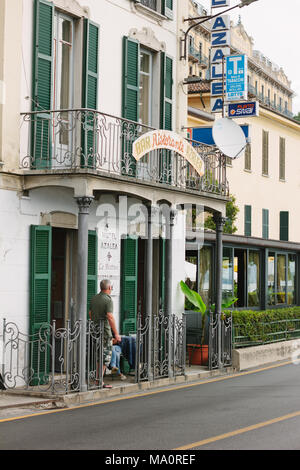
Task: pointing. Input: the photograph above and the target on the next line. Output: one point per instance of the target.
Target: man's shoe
(114, 370)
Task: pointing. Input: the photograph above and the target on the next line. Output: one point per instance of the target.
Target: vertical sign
(220, 47)
(236, 78)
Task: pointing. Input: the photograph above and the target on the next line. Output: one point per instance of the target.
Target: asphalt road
(259, 410)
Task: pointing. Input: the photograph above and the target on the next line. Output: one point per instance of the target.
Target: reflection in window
(253, 279)
(191, 271)
(281, 284)
(291, 279)
(205, 274)
(271, 279)
(227, 278)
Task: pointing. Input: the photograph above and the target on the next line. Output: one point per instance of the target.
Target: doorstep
(19, 398)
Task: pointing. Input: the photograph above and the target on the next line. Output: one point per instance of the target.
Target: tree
(297, 117)
(231, 216)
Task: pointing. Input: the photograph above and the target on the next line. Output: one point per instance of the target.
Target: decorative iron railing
(70, 141)
(50, 360)
(220, 341)
(198, 55)
(267, 101)
(150, 4)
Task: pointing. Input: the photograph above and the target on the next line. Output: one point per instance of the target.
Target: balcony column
(169, 263)
(220, 222)
(149, 285)
(84, 203)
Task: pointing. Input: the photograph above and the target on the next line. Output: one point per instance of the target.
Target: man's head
(105, 286)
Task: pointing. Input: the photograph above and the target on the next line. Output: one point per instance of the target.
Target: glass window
(145, 87)
(227, 278)
(205, 274)
(291, 279)
(191, 261)
(271, 279)
(253, 279)
(281, 283)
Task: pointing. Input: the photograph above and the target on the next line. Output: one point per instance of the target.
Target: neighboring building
(261, 261)
(84, 79)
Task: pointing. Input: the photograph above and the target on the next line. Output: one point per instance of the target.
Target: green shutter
(248, 211)
(282, 158)
(130, 102)
(167, 8)
(41, 144)
(284, 226)
(90, 82)
(248, 157)
(162, 274)
(129, 276)
(166, 114)
(40, 299)
(265, 223)
(92, 270)
(265, 153)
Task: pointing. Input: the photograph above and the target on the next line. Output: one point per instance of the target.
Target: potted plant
(198, 353)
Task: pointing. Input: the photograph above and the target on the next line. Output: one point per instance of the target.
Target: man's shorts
(107, 352)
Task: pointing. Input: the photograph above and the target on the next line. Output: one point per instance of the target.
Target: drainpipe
(84, 203)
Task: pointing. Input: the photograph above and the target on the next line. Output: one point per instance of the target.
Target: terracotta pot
(198, 354)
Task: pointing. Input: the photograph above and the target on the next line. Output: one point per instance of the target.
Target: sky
(274, 27)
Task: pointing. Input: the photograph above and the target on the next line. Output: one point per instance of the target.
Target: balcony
(268, 102)
(197, 56)
(87, 141)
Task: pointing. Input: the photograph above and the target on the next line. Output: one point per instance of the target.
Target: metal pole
(169, 284)
(219, 221)
(149, 288)
(82, 262)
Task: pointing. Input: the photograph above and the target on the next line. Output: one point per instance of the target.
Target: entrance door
(58, 281)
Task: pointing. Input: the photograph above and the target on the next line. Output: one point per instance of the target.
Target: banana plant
(197, 301)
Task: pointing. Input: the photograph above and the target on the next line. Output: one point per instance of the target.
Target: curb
(69, 400)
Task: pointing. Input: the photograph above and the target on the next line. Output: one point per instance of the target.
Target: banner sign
(162, 139)
(238, 110)
(236, 78)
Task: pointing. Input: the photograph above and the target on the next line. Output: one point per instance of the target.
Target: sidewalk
(19, 398)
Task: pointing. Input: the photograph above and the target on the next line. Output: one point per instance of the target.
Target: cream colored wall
(261, 192)
(10, 74)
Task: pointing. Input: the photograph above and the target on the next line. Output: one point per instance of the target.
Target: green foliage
(257, 327)
(194, 301)
(297, 117)
(231, 215)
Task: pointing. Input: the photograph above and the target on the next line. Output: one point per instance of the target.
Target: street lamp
(243, 3)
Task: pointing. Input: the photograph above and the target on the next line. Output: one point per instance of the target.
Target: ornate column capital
(219, 220)
(173, 216)
(84, 203)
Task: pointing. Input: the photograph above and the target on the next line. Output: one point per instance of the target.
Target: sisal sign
(163, 139)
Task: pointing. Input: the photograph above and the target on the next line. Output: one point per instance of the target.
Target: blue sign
(219, 3)
(249, 109)
(236, 78)
(204, 134)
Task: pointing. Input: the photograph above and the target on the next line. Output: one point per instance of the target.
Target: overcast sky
(274, 26)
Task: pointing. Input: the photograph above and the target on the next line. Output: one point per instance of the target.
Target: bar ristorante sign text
(162, 139)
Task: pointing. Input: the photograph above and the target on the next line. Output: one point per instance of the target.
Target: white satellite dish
(229, 138)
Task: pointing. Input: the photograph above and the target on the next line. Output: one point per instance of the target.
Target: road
(253, 410)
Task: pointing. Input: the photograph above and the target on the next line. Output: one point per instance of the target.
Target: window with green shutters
(47, 85)
(40, 299)
(284, 226)
(92, 278)
(282, 159)
(129, 276)
(265, 153)
(248, 217)
(166, 113)
(265, 223)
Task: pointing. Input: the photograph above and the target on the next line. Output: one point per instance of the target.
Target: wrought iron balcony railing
(74, 140)
(150, 4)
(198, 56)
(267, 101)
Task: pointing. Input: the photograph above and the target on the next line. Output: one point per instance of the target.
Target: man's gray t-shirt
(101, 304)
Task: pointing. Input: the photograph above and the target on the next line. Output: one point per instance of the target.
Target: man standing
(101, 308)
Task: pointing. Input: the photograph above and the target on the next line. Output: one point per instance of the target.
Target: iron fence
(79, 140)
(265, 333)
(49, 359)
(220, 341)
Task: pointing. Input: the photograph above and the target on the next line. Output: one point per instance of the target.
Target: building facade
(89, 78)
(261, 259)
